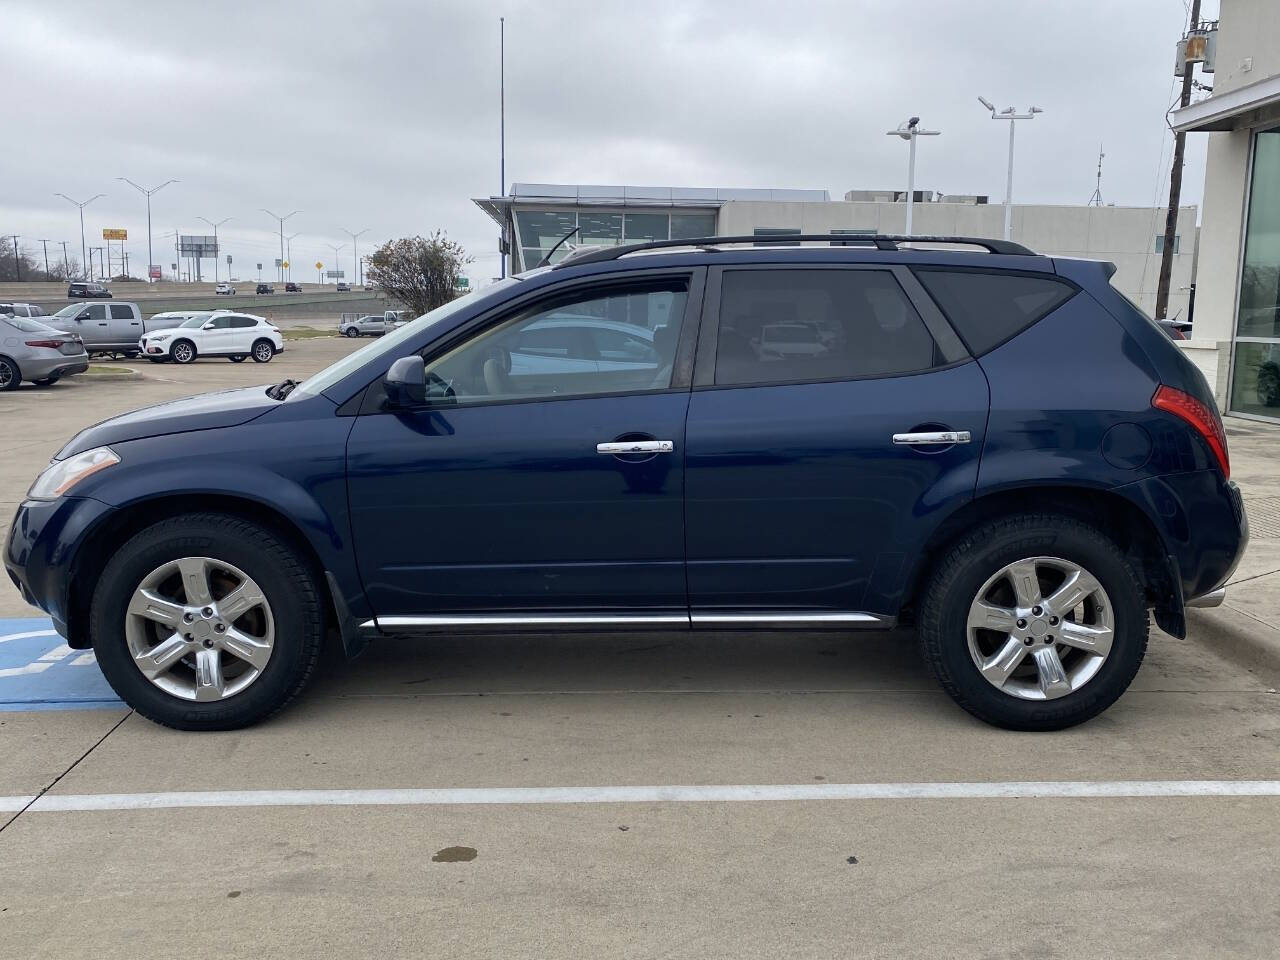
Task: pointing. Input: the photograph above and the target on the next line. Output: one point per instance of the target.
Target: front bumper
(40, 554)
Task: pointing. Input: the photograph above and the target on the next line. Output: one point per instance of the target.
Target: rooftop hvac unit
(974, 199)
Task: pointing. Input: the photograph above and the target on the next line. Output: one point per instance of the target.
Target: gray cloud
(384, 114)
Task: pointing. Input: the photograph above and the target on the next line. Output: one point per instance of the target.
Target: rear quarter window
(989, 308)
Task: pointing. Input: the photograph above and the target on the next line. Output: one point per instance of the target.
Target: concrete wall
(1123, 235)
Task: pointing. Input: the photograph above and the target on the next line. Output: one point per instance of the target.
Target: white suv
(225, 289)
(232, 335)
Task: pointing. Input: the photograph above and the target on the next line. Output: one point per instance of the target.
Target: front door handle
(933, 436)
(636, 446)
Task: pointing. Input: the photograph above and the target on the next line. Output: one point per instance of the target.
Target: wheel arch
(1115, 515)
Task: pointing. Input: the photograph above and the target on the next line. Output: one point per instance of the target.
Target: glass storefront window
(599, 229)
(689, 226)
(640, 227)
(1255, 383)
(540, 230)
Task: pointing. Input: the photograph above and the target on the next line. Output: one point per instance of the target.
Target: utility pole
(17, 264)
(908, 130)
(147, 193)
(282, 220)
(66, 260)
(84, 254)
(216, 248)
(45, 244)
(1175, 185)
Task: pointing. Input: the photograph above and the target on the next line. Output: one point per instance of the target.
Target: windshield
(70, 310)
(391, 341)
(196, 321)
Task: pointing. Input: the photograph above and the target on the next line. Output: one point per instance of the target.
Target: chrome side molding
(1213, 598)
(605, 621)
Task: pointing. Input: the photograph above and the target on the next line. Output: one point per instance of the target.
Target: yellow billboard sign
(115, 233)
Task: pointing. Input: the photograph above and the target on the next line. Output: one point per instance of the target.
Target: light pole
(84, 256)
(355, 251)
(1008, 113)
(288, 254)
(909, 130)
(147, 193)
(282, 220)
(45, 244)
(216, 249)
(335, 258)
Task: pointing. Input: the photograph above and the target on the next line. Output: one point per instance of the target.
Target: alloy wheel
(182, 353)
(6, 375)
(199, 629)
(263, 351)
(1040, 628)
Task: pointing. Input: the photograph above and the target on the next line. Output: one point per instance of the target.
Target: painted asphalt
(38, 671)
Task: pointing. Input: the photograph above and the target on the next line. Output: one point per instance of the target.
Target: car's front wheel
(1034, 622)
(263, 351)
(184, 351)
(352, 332)
(206, 622)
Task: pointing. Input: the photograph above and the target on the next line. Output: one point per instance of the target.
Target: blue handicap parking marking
(38, 671)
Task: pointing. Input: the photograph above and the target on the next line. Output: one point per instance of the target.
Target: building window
(689, 226)
(599, 229)
(642, 227)
(1255, 381)
(777, 232)
(1177, 242)
(851, 233)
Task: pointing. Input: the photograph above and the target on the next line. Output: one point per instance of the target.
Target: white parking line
(461, 796)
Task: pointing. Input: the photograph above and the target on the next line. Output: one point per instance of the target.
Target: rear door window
(242, 322)
(121, 312)
(786, 326)
(988, 308)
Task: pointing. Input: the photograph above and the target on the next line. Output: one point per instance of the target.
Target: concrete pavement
(1026, 877)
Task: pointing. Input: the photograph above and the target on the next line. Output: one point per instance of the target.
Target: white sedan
(232, 335)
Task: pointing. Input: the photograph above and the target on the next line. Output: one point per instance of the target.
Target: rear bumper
(57, 364)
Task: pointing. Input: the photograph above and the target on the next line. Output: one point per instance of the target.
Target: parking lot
(600, 796)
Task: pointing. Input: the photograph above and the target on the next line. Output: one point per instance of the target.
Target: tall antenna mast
(1096, 199)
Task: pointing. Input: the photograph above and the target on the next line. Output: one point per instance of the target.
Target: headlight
(61, 476)
(158, 337)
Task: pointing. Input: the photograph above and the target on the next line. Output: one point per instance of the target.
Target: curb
(1238, 637)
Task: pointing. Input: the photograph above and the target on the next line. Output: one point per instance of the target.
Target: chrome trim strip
(934, 436)
(1213, 598)
(784, 618)
(528, 620)
(636, 446)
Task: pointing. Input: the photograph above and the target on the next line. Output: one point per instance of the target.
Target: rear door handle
(933, 436)
(636, 446)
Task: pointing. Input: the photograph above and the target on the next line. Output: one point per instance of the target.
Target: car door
(94, 325)
(126, 324)
(809, 488)
(244, 330)
(217, 337)
(547, 495)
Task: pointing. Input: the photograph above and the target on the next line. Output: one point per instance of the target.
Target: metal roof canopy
(1226, 111)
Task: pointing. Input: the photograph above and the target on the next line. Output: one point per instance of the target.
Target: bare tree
(420, 272)
(32, 269)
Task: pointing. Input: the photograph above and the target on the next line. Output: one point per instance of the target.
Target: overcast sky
(384, 114)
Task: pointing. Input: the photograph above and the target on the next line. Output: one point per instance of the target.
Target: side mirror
(406, 383)
(82, 318)
(208, 326)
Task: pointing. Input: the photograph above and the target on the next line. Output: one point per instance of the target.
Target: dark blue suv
(993, 445)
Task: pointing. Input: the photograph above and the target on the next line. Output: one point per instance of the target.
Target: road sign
(285, 264)
(154, 271)
(115, 233)
(277, 262)
(319, 265)
(200, 246)
(464, 283)
(259, 266)
(228, 259)
(335, 274)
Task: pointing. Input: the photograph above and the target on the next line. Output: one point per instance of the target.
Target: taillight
(52, 344)
(1204, 418)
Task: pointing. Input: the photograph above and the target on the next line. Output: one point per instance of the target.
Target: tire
(951, 648)
(10, 374)
(293, 615)
(236, 358)
(46, 381)
(183, 351)
(263, 351)
(351, 332)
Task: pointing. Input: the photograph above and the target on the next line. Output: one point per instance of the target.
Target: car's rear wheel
(236, 358)
(1034, 622)
(206, 622)
(263, 351)
(10, 375)
(352, 332)
(184, 351)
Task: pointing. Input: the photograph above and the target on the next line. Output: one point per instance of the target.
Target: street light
(216, 249)
(147, 193)
(84, 255)
(355, 251)
(335, 250)
(908, 130)
(282, 220)
(1008, 113)
(288, 256)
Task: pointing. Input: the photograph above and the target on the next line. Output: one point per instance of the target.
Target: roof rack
(593, 254)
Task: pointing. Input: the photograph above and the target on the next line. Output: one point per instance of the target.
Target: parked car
(109, 328)
(292, 287)
(32, 351)
(88, 290)
(220, 334)
(265, 288)
(18, 309)
(369, 324)
(225, 289)
(993, 446)
(343, 287)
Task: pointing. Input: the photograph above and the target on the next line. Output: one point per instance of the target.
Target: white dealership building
(534, 216)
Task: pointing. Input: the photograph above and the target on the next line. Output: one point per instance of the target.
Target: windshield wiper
(281, 389)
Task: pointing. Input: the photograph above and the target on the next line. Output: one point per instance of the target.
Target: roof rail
(595, 254)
